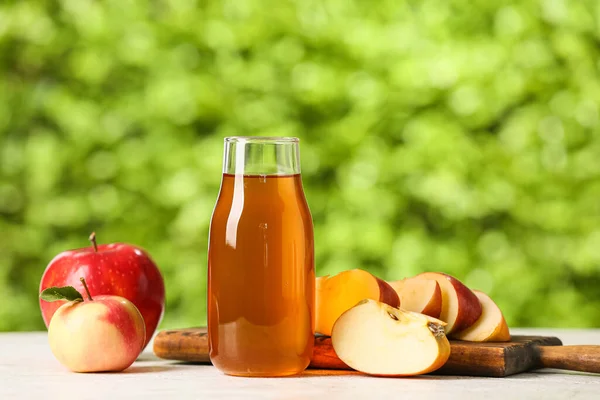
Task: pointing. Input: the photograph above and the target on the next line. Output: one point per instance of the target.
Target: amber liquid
(261, 279)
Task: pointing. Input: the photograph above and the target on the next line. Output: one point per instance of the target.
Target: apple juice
(261, 279)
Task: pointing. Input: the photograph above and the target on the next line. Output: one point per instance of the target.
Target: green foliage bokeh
(460, 136)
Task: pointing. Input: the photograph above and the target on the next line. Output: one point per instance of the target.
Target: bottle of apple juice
(261, 277)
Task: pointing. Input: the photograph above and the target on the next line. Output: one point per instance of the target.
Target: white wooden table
(29, 371)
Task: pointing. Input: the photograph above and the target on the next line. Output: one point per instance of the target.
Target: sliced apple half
(490, 327)
(377, 339)
(419, 295)
(460, 306)
(338, 293)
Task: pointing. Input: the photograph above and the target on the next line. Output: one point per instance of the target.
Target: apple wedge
(340, 292)
(490, 327)
(377, 339)
(419, 295)
(460, 306)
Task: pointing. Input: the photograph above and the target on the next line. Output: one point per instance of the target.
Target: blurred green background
(459, 135)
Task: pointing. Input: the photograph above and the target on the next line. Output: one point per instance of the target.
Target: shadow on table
(142, 369)
(147, 356)
(331, 372)
(311, 373)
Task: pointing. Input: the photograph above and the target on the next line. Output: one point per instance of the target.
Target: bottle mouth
(262, 139)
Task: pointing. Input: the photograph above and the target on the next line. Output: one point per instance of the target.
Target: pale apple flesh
(460, 306)
(490, 327)
(106, 334)
(340, 292)
(419, 295)
(377, 339)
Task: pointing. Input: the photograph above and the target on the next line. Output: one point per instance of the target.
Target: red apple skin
(469, 307)
(387, 294)
(104, 334)
(468, 302)
(117, 269)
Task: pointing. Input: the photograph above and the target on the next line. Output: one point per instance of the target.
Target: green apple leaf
(68, 293)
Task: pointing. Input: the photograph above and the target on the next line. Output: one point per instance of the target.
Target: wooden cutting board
(522, 353)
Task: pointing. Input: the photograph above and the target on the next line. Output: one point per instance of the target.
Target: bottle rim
(262, 139)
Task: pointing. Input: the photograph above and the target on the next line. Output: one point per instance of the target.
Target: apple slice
(419, 295)
(460, 306)
(377, 339)
(490, 327)
(340, 292)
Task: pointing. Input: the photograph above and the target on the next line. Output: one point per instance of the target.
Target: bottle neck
(261, 156)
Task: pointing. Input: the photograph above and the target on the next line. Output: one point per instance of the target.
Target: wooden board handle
(574, 358)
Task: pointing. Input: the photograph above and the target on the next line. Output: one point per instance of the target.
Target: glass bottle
(261, 277)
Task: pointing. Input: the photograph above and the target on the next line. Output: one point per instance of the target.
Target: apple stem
(92, 239)
(89, 295)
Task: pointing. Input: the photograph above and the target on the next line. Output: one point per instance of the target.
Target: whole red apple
(104, 333)
(117, 269)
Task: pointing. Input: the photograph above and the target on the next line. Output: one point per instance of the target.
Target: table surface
(29, 370)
